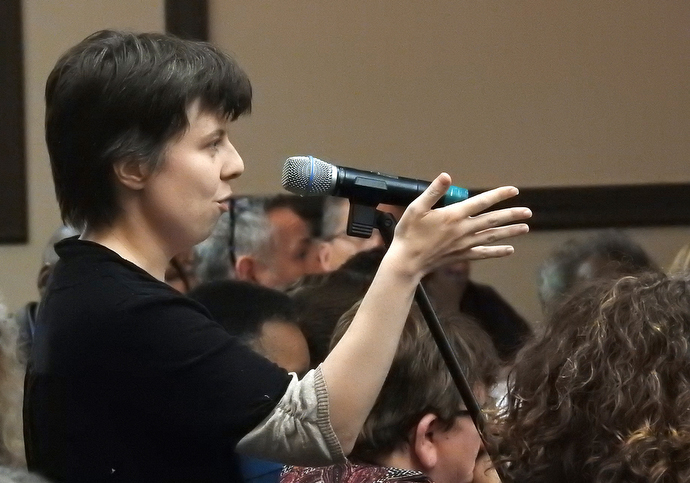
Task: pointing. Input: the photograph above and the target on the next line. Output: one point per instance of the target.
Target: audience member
(451, 291)
(681, 263)
(418, 429)
(130, 380)
(320, 300)
(264, 319)
(17, 475)
(336, 246)
(261, 317)
(11, 390)
(180, 273)
(605, 254)
(26, 316)
(273, 244)
(214, 257)
(604, 394)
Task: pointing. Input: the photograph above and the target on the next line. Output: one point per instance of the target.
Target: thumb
(432, 194)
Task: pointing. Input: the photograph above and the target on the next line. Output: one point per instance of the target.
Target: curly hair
(604, 394)
(11, 394)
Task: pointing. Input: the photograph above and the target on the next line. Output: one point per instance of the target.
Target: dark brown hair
(419, 382)
(122, 96)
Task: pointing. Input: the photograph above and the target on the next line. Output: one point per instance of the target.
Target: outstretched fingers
(477, 244)
(483, 201)
(431, 195)
(497, 218)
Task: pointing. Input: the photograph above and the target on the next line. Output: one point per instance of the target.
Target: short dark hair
(320, 300)
(243, 307)
(119, 96)
(308, 208)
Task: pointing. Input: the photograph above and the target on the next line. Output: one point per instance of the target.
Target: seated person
(320, 300)
(263, 319)
(451, 291)
(606, 253)
(604, 394)
(273, 242)
(11, 383)
(418, 429)
(336, 246)
(26, 316)
(681, 262)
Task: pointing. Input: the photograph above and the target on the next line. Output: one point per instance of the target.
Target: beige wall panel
(535, 93)
(532, 93)
(50, 27)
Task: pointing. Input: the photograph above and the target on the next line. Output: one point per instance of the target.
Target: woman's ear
(131, 173)
(424, 444)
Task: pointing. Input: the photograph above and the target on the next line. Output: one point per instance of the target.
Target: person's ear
(424, 444)
(43, 275)
(324, 255)
(131, 173)
(245, 268)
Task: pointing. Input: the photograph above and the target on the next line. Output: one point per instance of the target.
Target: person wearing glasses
(274, 240)
(419, 429)
(129, 380)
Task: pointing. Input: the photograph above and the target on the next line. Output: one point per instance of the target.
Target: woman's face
(186, 195)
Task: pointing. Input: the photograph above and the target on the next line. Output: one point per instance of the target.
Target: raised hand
(428, 238)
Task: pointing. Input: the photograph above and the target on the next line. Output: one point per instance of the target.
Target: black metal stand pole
(385, 222)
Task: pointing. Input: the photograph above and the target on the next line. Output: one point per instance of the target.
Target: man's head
(606, 254)
(336, 245)
(274, 246)
(419, 420)
(262, 318)
(123, 97)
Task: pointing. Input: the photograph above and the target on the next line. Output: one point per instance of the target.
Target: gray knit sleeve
(298, 431)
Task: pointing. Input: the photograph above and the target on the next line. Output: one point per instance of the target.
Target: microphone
(308, 176)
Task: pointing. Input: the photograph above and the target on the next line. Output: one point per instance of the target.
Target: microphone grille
(307, 175)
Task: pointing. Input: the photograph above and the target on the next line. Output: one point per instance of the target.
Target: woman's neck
(133, 245)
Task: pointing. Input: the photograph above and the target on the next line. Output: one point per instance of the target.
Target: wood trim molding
(13, 190)
(616, 206)
(187, 18)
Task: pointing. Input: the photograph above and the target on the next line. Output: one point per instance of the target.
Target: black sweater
(131, 381)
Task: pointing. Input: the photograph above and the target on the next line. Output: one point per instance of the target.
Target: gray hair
(212, 256)
(252, 235)
(16, 475)
(558, 274)
(252, 228)
(50, 257)
(331, 222)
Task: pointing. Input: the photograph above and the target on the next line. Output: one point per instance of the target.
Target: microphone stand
(361, 221)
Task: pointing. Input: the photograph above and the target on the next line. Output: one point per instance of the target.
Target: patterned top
(351, 473)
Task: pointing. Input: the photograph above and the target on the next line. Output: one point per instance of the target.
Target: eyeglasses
(231, 229)
(237, 206)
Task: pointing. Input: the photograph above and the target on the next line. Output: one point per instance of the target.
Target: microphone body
(307, 175)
